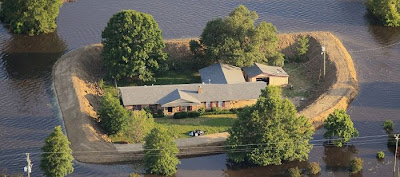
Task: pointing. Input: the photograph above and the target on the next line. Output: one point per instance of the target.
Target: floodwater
(29, 109)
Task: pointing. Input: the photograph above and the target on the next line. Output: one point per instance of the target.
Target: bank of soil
(77, 72)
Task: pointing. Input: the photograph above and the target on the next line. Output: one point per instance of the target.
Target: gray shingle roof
(169, 95)
(258, 69)
(221, 74)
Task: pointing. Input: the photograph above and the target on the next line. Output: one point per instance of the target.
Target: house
(191, 97)
(221, 74)
(273, 75)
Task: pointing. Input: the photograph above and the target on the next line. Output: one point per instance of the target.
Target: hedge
(181, 115)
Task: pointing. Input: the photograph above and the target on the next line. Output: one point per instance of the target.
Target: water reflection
(337, 159)
(26, 57)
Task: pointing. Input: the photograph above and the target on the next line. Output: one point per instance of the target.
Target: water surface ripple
(29, 111)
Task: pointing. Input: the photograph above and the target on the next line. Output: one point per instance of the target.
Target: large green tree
(114, 117)
(56, 160)
(339, 127)
(133, 46)
(139, 125)
(387, 11)
(269, 132)
(30, 16)
(160, 153)
(236, 40)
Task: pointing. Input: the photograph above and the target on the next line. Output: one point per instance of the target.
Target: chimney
(199, 89)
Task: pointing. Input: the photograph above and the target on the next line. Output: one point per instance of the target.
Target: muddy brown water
(29, 109)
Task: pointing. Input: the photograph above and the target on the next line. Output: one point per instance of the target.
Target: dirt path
(76, 74)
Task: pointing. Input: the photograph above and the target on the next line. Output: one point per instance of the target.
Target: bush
(388, 125)
(294, 172)
(134, 175)
(356, 165)
(180, 115)
(159, 114)
(193, 114)
(313, 168)
(303, 47)
(380, 155)
(201, 111)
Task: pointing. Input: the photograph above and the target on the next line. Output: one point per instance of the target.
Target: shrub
(294, 172)
(356, 165)
(180, 115)
(201, 111)
(193, 114)
(313, 168)
(134, 175)
(380, 155)
(388, 125)
(159, 114)
(101, 84)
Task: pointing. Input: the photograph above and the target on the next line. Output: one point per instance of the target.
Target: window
(138, 107)
(169, 109)
(220, 104)
(189, 108)
(208, 104)
(153, 107)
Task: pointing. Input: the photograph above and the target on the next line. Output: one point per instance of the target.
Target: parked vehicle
(196, 133)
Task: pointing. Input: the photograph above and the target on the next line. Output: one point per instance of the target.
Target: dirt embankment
(77, 72)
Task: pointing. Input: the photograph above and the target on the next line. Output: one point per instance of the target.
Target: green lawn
(179, 128)
(300, 80)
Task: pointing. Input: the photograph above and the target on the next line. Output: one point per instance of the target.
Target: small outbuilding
(272, 75)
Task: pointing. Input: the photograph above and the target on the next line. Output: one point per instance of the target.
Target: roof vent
(209, 81)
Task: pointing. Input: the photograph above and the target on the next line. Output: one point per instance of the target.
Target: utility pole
(324, 53)
(28, 168)
(396, 136)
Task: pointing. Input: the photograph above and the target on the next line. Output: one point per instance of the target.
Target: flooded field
(29, 109)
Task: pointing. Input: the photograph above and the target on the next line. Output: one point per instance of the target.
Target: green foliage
(201, 110)
(386, 11)
(339, 126)
(313, 168)
(380, 155)
(134, 175)
(236, 40)
(160, 153)
(388, 126)
(133, 46)
(139, 125)
(294, 172)
(356, 165)
(274, 129)
(114, 117)
(181, 115)
(303, 47)
(56, 160)
(30, 16)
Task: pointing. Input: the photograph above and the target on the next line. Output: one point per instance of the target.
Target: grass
(179, 128)
(300, 80)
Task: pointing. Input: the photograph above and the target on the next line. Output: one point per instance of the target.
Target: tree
(386, 11)
(338, 125)
(237, 41)
(303, 47)
(30, 16)
(114, 117)
(139, 125)
(356, 165)
(269, 132)
(388, 126)
(160, 153)
(56, 160)
(133, 46)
